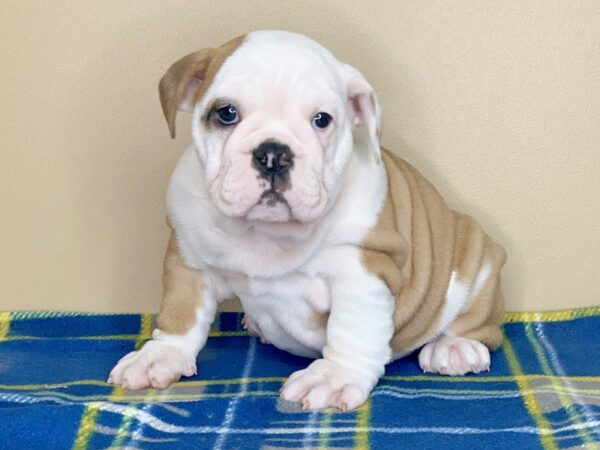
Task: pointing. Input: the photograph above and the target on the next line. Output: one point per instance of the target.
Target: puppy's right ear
(179, 84)
(189, 78)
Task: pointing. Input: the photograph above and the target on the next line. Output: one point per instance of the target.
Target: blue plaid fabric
(543, 392)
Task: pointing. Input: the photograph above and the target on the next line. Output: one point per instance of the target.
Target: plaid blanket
(543, 392)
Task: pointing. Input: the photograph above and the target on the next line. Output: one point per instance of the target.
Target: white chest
(289, 310)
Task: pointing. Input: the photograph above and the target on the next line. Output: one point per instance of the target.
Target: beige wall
(498, 103)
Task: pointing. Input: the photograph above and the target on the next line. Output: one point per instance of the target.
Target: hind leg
(451, 355)
(465, 346)
(253, 329)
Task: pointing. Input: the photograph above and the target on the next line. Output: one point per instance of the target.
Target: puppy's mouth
(271, 198)
(271, 207)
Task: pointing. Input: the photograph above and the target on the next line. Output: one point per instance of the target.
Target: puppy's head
(275, 118)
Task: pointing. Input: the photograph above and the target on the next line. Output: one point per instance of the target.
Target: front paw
(324, 384)
(156, 365)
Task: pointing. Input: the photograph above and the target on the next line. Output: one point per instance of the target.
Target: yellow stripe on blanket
(324, 429)
(564, 397)
(552, 316)
(363, 421)
(116, 337)
(5, 318)
(124, 429)
(92, 411)
(512, 316)
(87, 425)
(529, 399)
(437, 378)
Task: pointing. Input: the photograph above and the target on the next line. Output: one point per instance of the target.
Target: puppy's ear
(179, 84)
(364, 109)
(186, 80)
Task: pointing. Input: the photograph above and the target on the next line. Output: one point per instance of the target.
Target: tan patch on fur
(415, 246)
(182, 293)
(202, 64)
(320, 319)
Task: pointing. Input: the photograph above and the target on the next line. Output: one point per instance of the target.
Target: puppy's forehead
(275, 57)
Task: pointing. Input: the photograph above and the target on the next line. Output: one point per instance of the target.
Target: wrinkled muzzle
(271, 182)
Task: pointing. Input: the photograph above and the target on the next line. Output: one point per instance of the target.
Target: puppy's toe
(122, 364)
(160, 376)
(134, 379)
(350, 398)
(319, 397)
(299, 383)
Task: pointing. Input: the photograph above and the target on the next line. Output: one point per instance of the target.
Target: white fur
(459, 296)
(483, 275)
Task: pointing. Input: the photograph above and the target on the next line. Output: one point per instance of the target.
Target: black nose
(272, 158)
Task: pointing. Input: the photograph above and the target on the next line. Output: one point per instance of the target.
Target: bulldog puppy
(338, 250)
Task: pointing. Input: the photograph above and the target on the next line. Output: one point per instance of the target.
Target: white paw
(253, 329)
(324, 384)
(156, 365)
(450, 355)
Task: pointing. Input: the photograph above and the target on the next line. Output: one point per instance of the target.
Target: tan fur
(182, 293)
(203, 65)
(415, 246)
(320, 319)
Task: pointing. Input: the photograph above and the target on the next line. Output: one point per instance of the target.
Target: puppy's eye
(228, 115)
(321, 120)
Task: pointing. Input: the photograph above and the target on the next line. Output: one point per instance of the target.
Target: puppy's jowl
(337, 249)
